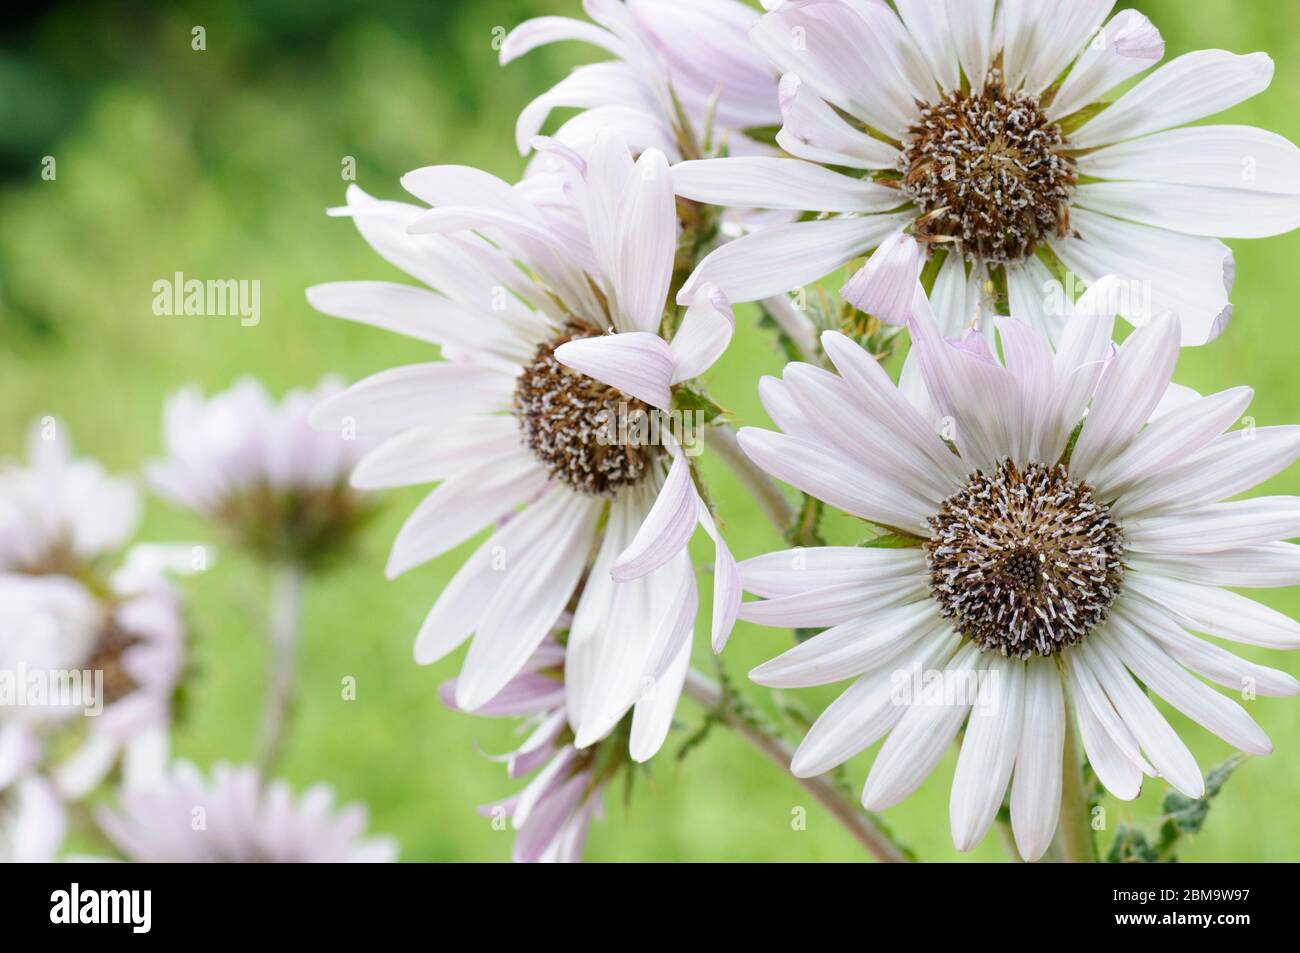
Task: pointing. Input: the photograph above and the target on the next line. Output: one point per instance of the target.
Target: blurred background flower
(219, 164)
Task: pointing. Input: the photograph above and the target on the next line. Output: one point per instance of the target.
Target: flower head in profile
(554, 810)
(551, 319)
(234, 816)
(979, 128)
(692, 54)
(255, 467)
(1059, 540)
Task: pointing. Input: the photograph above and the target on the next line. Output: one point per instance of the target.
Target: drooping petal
(704, 334)
(638, 363)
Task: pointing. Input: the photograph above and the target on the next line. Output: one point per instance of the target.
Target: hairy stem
(282, 636)
(709, 694)
(1075, 828)
(722, 441)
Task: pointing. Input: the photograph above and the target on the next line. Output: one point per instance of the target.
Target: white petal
(915, 746)
(784, 257)
(927, 21)
(587, 87)
(1264, 566)
(1217, 612)
(1194, 209)
(1130, 389)
(726, 583)
(637, 363)
(1127, 45)
(540, 31)
(971, 23)
(835, 604)
(814, 131)
(1226, 157)
(411, 396)
(1188, 88)
(796, 571)
(767, 182)
(1216, 527)
(437, 451)
(848, 650)
(1036, 787)
(886, 285)
(647, 234)
(1061, 34)
(667, 528)
(704, 334)
(1117, 771)
(652, 715)
(988, 752)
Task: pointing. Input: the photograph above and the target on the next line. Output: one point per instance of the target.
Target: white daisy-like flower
(1045, 554)
(554, 810)
(551, 323)
(235, 817)
(59, 513)
(979, 127)
(254, 466)
(695, 50)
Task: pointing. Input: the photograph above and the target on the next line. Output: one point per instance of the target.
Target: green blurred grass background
(220, 164)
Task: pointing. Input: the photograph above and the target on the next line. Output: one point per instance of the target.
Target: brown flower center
(989, 173)
(1025, 561)
(571, 422)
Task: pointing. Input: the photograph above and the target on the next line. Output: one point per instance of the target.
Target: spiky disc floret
(569, 421)
(1024, 560)
(989, 173)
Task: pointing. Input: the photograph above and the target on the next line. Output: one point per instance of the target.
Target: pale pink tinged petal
(704, 334)
(1115, 770)
(413, 395)
(597, 84)
(1265, 566)
(784, 257)
(1194, 209)
(883, 399)
(460, 606)
(637, 363)
(1206, 659)
(1225, 157)
(595, 608)
(1188, 88)
(927, 21)
(868, 708)
(948, 298)
(1086, 684)
(988, 753)
(1029, 357)
(982, 399)
(886, 285)
(1216, 527)
(1230, 464)
(726, 583)
(532, 595)
(1217, 612)
(647, 243)
(1129, 391)
(1126, 46)
(1162, 675)
(667, 528)
(1036, 786)
(40, 821)
(652, 715)
(540, 31)
(1063, 32)
(833, 477)
(1170, 439)
(794, 572)
(675, 589)
(871, 71)
(609, 172)
(547, 819)
(785, 413)
(851, 648)
(461, 507)
(814, 131)
(971, 23)
(825, 400)
(1159, 741)
(768, 182)
(435, 452)
(1035, 298)
(422, 315)
(916, 745)
(1165, 271)
(835, 604)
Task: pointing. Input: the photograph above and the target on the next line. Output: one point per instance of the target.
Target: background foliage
(219, 164)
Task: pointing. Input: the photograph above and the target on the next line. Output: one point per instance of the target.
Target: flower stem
(710, 695)
(722, 441)
(282, 636)
(1075, 828)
